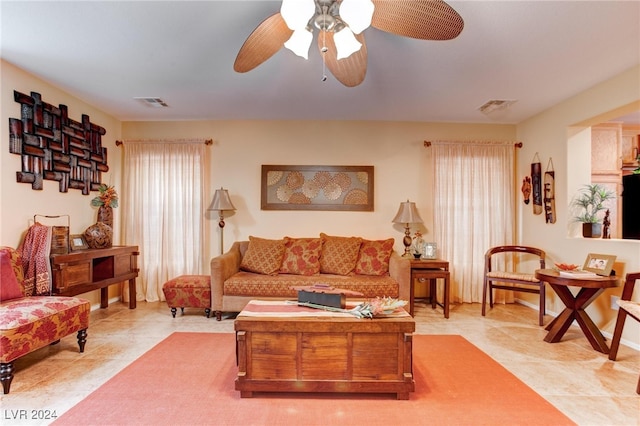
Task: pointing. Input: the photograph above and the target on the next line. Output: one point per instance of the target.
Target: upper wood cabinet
(606, 149)
(606, 167)
(630, 145)
(614, 149)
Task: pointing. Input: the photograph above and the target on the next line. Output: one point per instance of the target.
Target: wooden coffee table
(286, 348)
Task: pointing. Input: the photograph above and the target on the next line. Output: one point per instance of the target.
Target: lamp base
(407, 242)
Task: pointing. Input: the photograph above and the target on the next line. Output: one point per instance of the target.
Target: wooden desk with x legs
(590, 289)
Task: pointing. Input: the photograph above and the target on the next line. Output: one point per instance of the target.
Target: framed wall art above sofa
(348, 188)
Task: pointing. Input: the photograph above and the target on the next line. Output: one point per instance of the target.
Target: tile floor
(579, 381)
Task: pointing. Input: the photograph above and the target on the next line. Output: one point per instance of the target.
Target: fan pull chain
(323, 50)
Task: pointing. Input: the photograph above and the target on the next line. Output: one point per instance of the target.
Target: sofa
(268, 269)
(30, 322)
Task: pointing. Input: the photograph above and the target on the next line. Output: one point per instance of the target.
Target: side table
(432, 270)
(575, 305)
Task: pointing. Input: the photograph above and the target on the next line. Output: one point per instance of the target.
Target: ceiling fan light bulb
(297, 13)
(346, 43)
(357, 14)
(300, 42)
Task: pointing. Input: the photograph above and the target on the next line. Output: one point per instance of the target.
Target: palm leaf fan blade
(264, 42)
(420, 19)
(349, 71)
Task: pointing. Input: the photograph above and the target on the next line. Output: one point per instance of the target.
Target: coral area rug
(188, 379)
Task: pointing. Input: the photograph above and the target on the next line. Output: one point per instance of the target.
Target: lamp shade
(221, 201)
(407, 213)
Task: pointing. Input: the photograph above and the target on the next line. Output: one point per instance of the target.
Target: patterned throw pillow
(263, 256)
(10, 287)
(301, 256)
(374, 257)
(339, 254)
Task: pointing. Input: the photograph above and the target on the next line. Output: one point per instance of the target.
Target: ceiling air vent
(153, 102)
(496, 105)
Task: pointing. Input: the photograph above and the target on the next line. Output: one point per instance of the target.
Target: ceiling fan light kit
(341, 24)
(344, 18)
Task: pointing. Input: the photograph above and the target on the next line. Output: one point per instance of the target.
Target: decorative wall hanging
(526, 189)
(549, 194)
(536, 184)
(347, 188)
(55, 147)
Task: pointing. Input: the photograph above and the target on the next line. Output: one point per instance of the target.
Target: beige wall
(548, 134)
(18, 202)
(396, 150)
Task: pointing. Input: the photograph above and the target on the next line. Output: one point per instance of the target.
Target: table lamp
(407, 214)
(221, 202)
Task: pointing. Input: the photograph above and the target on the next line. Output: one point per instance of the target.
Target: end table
(432, 270)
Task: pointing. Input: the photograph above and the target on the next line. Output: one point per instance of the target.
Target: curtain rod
(206, 142)
(429, 143)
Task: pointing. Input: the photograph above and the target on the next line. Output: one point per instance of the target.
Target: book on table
(578, 273)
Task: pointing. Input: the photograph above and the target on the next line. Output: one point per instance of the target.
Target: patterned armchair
(27, 322)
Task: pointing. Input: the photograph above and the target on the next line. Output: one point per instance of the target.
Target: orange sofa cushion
(263, 256)
(247, 284)
(301, 256)
(373, 258)
(339, 254)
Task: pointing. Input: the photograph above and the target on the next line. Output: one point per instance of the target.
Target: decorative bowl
(566, 266)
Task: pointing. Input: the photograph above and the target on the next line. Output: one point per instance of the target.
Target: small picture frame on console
(78, 242)
(430, 251)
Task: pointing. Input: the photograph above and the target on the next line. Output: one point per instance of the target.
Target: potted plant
(589, 202)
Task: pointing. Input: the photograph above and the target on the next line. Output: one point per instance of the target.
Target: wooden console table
(87, 270)
(431, 270)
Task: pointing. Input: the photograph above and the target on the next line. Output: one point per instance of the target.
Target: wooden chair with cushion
(495, 277)
(627, 307)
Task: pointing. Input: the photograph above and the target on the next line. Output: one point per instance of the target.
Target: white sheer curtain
(474, 209)
(163, 205)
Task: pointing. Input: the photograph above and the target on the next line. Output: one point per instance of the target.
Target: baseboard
(96, 306)
(632, 345)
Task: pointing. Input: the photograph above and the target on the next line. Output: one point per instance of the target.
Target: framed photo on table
(430, 251)
(600, 264)
(78, 242)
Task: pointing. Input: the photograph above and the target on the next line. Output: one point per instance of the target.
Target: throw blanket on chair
(35, 250)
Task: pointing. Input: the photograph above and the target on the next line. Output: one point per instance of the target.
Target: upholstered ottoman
(188, 291)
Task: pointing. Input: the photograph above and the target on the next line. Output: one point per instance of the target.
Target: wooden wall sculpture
(55, 147)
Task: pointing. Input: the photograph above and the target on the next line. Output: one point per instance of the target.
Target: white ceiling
(108, 53)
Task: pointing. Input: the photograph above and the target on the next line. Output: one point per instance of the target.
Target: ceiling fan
(340, 38)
